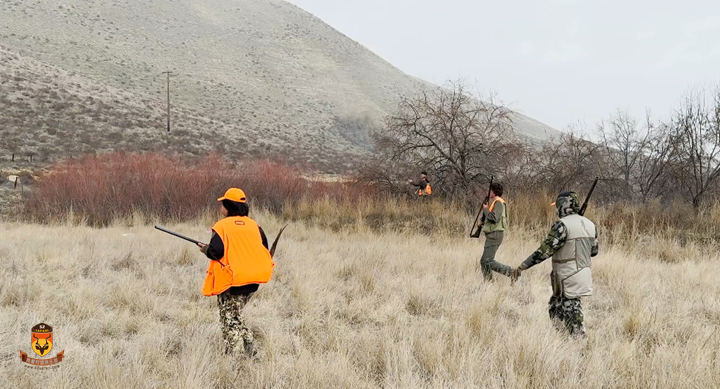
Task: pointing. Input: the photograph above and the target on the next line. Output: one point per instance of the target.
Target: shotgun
(585, 204)
(476, 234)
(272, 249)
(178, 235)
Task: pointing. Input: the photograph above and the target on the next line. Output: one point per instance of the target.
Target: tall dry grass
(349, 309)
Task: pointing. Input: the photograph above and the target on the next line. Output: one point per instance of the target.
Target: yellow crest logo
(41, 342)
(42, 339)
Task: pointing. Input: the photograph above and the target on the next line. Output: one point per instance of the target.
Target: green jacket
(495, 220)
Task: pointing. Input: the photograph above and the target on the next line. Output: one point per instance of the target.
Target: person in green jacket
(495, 222)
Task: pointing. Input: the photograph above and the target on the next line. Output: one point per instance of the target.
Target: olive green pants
(493, 240)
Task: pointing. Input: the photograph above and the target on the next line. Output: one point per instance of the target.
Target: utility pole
(168, 99)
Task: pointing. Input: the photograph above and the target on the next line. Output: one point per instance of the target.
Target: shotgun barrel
(177, 235)
(476, 234)
(587, 198)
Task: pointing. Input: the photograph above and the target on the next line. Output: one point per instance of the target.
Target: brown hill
(259, 77)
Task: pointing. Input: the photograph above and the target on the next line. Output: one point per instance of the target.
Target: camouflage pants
(493, 240)
(237, 336)
(567, 312)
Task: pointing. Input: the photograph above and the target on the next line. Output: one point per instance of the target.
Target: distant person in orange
(423, 185)
(239, 262)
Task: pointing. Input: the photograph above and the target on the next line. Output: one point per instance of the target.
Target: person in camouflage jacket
(564, 307)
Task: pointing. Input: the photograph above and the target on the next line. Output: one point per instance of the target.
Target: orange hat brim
(237, 201)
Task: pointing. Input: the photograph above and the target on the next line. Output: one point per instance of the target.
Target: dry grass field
(348, 310)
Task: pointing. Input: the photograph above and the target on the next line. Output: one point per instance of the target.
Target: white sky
(560, 62)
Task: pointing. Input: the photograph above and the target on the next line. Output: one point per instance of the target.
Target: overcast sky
(560, 62)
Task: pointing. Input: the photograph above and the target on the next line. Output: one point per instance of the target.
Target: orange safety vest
(492, 206)
(245, 261)
(501, 223)
(428, 191)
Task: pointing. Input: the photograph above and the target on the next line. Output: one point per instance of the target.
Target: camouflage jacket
(553, 242)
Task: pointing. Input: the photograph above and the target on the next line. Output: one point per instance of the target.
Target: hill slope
(264, 73)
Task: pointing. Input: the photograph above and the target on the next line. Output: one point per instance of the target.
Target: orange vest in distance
(245, 261)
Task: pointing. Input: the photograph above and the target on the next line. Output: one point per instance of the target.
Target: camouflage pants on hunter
(238, 338)
(568, 312)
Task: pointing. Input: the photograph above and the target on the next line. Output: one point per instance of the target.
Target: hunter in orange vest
(495, 216)
(424, 188)
(239, 262)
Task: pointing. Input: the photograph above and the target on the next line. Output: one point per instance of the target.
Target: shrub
(101, 188)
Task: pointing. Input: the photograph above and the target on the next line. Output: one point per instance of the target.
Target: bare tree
(623, 146)
(695, 129)
(568, 162)
(386, 174)
(651, 172)
(459, 139)
(637, 158)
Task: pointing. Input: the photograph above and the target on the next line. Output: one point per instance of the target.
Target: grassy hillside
(267, 67)
(53, 114)
(347, 311)
(260, 76)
